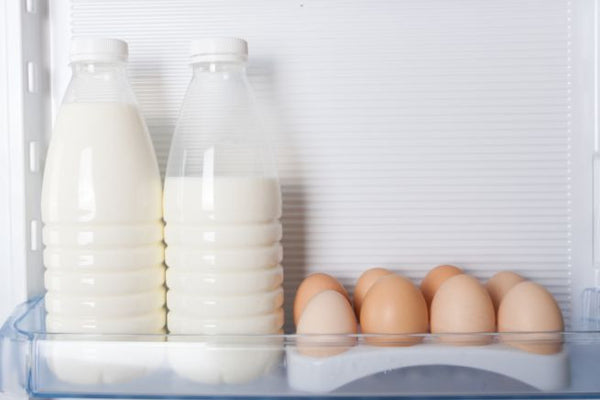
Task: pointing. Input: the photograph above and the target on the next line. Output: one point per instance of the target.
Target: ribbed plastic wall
(409, 133)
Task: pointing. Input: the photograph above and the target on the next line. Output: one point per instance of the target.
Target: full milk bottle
(101, 204)
(222, 205)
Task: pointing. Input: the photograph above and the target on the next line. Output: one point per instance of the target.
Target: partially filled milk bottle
(102, 212)
(222, 205)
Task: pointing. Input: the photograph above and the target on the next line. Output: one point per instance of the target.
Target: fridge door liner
(408, 133)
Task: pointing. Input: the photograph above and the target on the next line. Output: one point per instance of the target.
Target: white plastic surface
(218, 49)
(98, 49)
(24, 125)
(317, 375)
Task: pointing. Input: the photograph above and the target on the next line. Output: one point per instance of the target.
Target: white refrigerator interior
(408, 134)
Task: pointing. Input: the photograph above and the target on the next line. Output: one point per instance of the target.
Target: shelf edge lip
(24, 310)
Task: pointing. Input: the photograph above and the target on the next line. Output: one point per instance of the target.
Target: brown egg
(435, 278)
(500, 284)
(393, 305)
(462, 305)
(529, 307)
(312, 285)
(364, 283)
(327, 313)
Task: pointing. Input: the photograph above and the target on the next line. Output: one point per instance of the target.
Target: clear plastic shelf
(39, 364)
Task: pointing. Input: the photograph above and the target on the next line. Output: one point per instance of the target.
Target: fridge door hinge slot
(32, 77)
(34, 157)
(596, 214)
(35, 235)
(31, 6)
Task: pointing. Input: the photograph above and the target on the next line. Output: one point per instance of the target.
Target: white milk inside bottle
(222, 205)
(101, 209)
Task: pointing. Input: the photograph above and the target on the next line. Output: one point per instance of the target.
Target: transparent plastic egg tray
(39, 364)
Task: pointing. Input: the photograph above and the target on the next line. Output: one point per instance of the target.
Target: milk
(101, 169)
(101, 208)
(102, 215)
(224, 273)
(222, 237)
(244, 202)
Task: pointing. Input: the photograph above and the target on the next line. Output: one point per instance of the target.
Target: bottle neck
(222, 69)
(103, 69)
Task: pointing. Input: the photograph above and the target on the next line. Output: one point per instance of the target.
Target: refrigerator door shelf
(54, 365)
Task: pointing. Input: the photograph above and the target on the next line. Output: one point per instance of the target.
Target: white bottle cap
(219, 49)
(98, 49)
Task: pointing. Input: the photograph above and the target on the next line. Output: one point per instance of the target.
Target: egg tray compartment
(547, 373)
